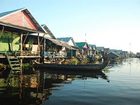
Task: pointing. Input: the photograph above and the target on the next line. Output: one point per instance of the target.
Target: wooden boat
(78, 67)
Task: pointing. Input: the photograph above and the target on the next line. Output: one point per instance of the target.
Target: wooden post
(21, 61)
(2, 30)
(21, 45)
(44, 49)
(25, 38)
(38, 46)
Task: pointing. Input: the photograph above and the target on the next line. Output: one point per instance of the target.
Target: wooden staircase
(15, 67)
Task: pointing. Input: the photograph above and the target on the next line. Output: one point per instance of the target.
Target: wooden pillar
(21, 63)
(21, 44)
(2, 30)
(44, 48)
(26, 35)
(43, 41)
(38, 39)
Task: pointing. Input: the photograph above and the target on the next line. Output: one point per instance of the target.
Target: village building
(70, 41)
(17, 46)
(47, 31)
(16, 27)
(84, 48)
(92, 50)
(113, 57)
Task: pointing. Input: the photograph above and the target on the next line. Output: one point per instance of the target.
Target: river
(119, 84)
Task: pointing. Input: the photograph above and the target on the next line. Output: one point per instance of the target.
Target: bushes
(75, 61)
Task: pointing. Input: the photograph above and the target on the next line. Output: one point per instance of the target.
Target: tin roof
(15, 28)
(81, 44)
(65, 39)
(60, 43)
(9, 12)
(5, 14)
(47, 30)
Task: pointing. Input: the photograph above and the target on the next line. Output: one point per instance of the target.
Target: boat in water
(67, 67)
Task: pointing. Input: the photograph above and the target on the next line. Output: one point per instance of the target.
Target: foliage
(74, 61)
(2, 83)
(7, 37)
(9, 41)
(84, 61)
(26, 66)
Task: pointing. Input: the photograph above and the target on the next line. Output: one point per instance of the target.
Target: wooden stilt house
(54, 50)
(15, 29)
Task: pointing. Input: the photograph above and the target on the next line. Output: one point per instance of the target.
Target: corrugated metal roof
(81, 44)
(100, 48)
(15, 28)
(91, 45)
(47, 30)
(2, 15)
(9, 12)
(60, 43)
(114, 53)
(65, 39)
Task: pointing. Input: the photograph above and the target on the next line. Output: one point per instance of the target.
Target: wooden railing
(30, 53)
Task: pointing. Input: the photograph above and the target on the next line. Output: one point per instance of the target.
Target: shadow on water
(48, 80)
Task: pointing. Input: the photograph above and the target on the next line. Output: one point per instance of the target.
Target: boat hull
(87, 67)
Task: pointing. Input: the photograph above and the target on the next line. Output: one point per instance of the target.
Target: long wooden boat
(78, 67)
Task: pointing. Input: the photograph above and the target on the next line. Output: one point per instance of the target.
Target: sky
(112, 24)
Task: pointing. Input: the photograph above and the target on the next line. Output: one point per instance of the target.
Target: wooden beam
(25, 38)
(42, 38)
(21, 45)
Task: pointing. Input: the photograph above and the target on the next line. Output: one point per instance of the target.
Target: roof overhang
(37, 25)
(17, 29)
(55, 41)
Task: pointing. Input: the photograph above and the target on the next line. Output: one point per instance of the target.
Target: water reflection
(80, 88)
(49, 79)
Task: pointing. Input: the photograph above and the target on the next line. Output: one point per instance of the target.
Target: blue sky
(109, 23)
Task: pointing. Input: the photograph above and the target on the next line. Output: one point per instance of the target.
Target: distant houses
(138, 54)
(70, 41)
(92, 50)
(84, 48)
